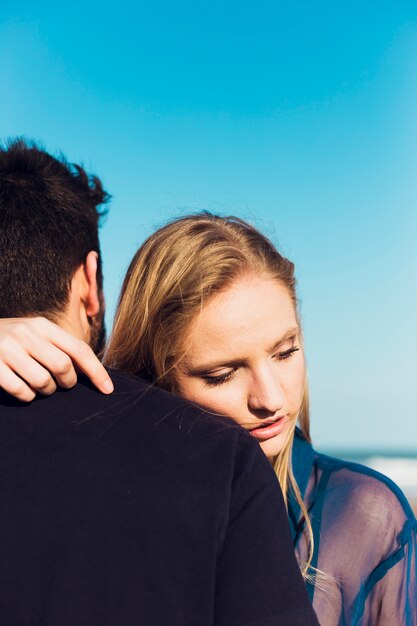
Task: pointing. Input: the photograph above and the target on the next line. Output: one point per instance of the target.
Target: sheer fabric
(365, 542)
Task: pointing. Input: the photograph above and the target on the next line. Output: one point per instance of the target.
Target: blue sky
(298, 116)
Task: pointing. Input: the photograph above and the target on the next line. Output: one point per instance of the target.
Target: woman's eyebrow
(290, 334)
(209, 367)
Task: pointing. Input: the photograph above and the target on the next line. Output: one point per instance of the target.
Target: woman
(208, 310)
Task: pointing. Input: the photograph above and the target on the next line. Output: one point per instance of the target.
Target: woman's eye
(282, 356)
(218, 380)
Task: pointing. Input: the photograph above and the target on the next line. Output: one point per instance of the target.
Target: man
(129, 508)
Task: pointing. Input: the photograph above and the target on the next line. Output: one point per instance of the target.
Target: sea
(401, 467)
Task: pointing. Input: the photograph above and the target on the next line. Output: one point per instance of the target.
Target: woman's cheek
(301, 381)
(295, 383)
(225, 399)
(222, 400)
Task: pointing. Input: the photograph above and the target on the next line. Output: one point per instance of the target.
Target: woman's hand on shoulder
(36, 355)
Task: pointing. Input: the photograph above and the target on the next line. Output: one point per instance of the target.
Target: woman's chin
(272, 437)
(272, 447)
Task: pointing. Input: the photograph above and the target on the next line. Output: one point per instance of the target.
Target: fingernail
(108, 386)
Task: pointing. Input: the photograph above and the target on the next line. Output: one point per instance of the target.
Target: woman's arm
(391, 591)
(36, 355)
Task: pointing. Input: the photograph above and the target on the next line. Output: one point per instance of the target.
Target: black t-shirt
(139, 509)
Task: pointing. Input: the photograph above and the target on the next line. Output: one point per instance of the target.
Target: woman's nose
(266, 394)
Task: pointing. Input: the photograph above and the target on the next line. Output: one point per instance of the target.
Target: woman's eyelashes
(219, 379)
(282, 356)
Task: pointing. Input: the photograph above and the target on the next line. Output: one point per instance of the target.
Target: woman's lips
(269, 430)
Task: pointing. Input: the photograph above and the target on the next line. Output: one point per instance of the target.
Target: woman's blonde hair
(178, 269)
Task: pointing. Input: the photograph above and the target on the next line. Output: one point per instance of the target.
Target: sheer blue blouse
(365, 536)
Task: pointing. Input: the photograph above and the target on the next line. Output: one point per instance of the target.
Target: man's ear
(90, 295)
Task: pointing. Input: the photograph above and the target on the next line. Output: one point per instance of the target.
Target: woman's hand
(36, 355)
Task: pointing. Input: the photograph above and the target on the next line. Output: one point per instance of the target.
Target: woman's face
(244, 359)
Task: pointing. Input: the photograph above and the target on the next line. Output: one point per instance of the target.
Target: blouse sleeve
(390, 595)
(365, 543)
(258, 580)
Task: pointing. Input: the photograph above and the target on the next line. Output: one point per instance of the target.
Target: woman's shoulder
(366, 494)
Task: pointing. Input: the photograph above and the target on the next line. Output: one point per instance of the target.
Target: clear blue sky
(298, 116)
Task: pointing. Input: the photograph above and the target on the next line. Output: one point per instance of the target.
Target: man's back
(137, 508)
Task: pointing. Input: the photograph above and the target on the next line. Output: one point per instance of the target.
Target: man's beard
(98, 334)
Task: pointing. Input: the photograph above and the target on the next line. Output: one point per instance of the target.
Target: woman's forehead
(251, 312)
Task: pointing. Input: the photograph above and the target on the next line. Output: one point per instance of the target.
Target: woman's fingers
(80, 354)
(15, 386)
(44, 372)
(54, 360)
(28, 369)
(40, 352)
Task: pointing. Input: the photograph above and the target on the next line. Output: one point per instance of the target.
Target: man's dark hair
(49, 222)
